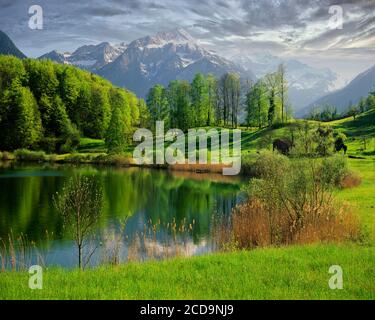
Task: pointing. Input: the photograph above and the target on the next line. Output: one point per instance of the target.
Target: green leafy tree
(257, 105)
(362, 105)
(157, 103)
(116, 134)
(199, 99)
(186, 118)
(70, 85)
(20, 121)
(56, 103)
(353, 111)
(11, 69)
(119, 99)
(99, 115)
(370, 102)
(212, 98)
(42, 78)
(144, 115)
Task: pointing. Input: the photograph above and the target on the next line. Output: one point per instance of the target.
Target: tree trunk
(80, 257)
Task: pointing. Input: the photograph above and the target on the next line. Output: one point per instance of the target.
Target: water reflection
(146, 199)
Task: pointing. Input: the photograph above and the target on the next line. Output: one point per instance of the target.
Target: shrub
(247, 165)
(252, 226)
(290, 202)
(324, 141)
(350, 180)
(268, 162)
(78, 158)
(32, 156)
(334, 169)
(5, 156)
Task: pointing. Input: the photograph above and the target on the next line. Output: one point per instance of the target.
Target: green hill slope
(359, 132)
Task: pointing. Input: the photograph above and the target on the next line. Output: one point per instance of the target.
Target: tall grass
(290, 202)
(18, 253)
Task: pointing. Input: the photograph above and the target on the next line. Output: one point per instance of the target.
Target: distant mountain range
(172, 55)
(360, 87)
(90, 57)
(150, 60)
(8, 47)
(306, 84)
(176, 54)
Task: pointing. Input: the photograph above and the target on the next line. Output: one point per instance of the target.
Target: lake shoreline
(112, 160)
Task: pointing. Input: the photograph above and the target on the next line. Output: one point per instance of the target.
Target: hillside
(355, 130)
(8, 47)
(47, 106)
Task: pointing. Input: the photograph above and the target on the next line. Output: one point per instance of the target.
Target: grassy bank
(283, 273)
(360, 133)
(362, 198)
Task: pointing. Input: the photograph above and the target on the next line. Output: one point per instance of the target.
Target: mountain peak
(178, 35)
(8, 47)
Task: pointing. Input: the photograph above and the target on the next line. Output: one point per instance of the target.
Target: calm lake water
(165, 213)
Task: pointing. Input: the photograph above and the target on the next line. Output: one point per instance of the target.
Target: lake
(147, 213)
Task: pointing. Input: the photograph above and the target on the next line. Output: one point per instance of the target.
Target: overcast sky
(296, 29)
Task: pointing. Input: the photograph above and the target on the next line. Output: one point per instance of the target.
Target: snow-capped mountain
(306, 84)
(164, 57)
(359, 87)
(90, 57)
(151, 60)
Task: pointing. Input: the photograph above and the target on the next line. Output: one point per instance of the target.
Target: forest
(225, 102)
(48, 106)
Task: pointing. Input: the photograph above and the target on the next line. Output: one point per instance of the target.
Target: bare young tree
(80, 204)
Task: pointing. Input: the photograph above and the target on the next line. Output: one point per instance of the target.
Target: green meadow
(299, 272)
(290, 272)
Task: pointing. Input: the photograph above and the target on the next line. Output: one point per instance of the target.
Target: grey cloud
(226, 26)
(106, 11)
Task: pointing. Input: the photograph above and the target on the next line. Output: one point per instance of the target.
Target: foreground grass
(299, 272)
(362, 197)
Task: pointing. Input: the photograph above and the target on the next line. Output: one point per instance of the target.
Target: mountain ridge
(7, 46)
(164, 57)
(306, 83)
(359, 87)
(155, 59)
